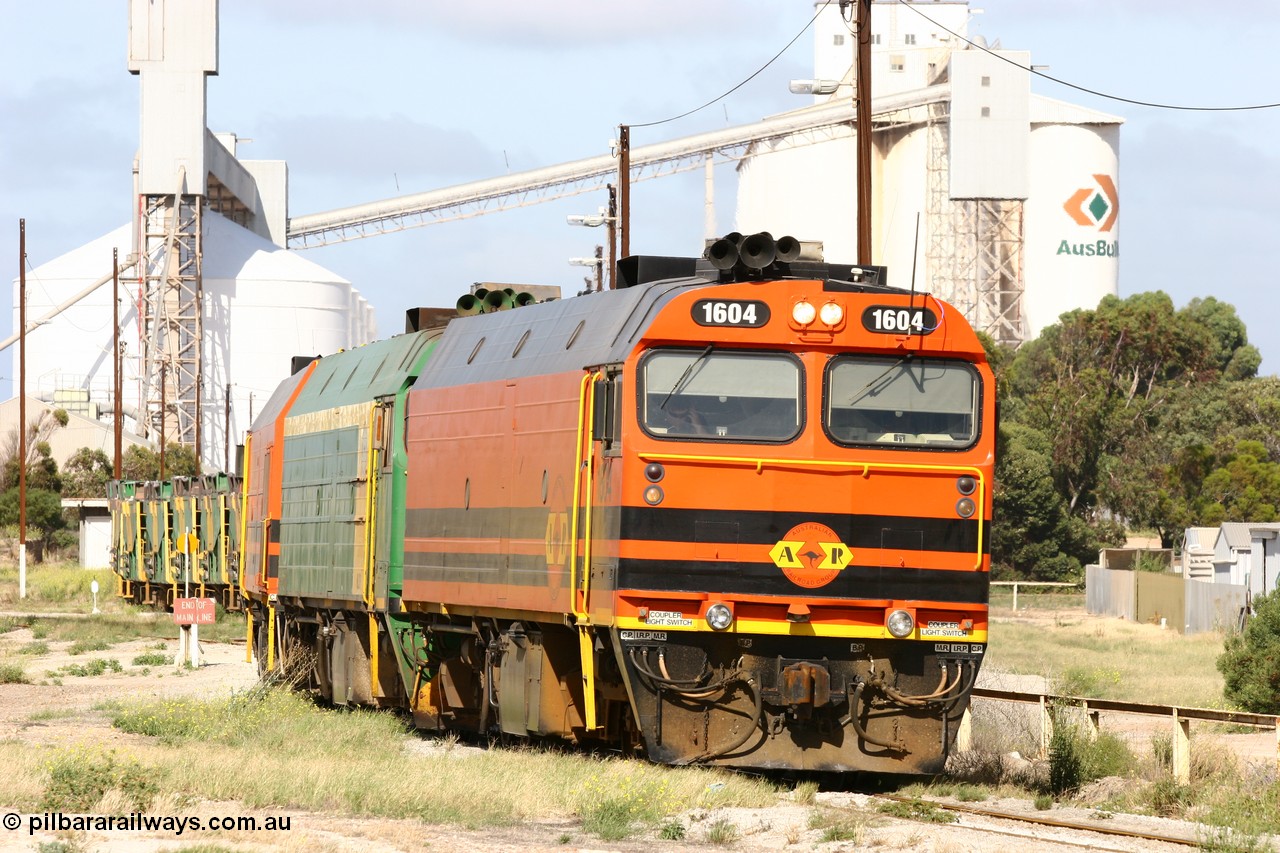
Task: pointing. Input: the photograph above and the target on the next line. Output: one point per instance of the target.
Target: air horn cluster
(488, 301)
(753, 253)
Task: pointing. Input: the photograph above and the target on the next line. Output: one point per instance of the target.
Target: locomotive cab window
(883, 400)
(721, 395)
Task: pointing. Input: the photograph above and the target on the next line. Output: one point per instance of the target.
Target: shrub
(79, 777)
(12, 673)
(1076, 760)
(1250, 661)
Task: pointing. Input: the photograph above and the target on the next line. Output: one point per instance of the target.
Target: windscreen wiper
(863, 390)
(688, 371)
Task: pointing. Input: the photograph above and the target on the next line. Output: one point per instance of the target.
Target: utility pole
(22, 408)
(613, 237)
(624, 190)
(118, 415)
(862, 101)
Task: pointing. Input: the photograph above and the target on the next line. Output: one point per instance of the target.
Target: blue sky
(370, 101)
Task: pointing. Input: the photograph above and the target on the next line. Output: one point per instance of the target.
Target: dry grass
(1108, 658)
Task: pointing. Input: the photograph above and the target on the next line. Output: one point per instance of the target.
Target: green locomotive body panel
(343, 456)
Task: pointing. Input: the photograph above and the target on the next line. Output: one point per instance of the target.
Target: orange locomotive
(734, 512)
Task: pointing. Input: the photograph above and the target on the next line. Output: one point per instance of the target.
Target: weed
(34, 648)
(78, 778)
(59, 846)
(845, 830)
(79, 647)
(1168, 798)
(97, 666)
(1043, 802)
(151, 659)
(722, 832)
(672, 830)
(970, 794)
(917, 810)
(805, 793)
(1221, 839)
(39, 630)
(1075, 760)
(12, 673)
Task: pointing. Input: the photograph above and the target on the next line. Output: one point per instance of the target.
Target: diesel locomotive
(734, 511)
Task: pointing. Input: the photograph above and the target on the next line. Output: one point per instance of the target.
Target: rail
(1016, 584)
(1180, 718)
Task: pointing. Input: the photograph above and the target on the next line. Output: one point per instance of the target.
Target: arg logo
(1095, 206)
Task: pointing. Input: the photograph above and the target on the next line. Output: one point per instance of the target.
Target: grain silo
(997, 200)
(212, 306)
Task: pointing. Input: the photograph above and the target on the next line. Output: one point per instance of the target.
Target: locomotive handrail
(369, 509)
(759, 462)
(586, 651)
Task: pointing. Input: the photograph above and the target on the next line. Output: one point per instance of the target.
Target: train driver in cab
(684, 417)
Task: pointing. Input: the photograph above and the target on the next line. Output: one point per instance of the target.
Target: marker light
(964, 507)
(653, 495)
(966, 485)
(803, 313)
(719, 616)
(653, 472)
(831, 314)
(900, 624)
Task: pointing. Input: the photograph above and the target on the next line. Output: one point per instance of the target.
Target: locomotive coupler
(804, 686)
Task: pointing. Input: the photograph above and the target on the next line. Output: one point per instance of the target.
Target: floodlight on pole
(589, 220)
(586, 262)
(814, 87)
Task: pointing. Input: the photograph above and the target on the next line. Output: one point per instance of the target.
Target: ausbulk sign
(1093, 207)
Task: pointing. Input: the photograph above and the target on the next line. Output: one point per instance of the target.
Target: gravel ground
(784, 826)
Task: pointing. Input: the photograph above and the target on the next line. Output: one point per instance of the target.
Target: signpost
(189, 614)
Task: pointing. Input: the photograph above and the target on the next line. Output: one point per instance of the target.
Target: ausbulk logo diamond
(1093, 207)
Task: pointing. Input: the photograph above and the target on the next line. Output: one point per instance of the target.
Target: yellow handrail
(244, 509)
(371, 484)
(586, 652)
(867, 467)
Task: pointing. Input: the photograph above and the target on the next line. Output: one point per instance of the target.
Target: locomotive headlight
(653, 495)
(803, 313)
(719, 616)
(964, 507)
(900, 624)
(966, 485)
(831, 314)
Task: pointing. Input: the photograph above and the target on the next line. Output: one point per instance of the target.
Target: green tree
(141, 463)
(42, 469)
(86, 474)
(1140, 404)
(1250, 661)
(44, 516)
(1034, 533)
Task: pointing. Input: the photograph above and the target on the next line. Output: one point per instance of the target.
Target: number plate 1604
(730, 312)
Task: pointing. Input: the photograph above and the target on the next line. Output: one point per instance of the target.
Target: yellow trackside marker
(785, 554)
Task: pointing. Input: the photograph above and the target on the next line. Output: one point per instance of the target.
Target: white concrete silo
(262, 306)
(1072, 223)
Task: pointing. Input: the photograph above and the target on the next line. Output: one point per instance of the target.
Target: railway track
(1044, 830)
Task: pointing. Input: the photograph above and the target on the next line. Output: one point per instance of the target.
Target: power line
(1070, 85)
(746, 81)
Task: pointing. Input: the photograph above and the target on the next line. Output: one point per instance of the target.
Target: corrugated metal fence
(1187, 606)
